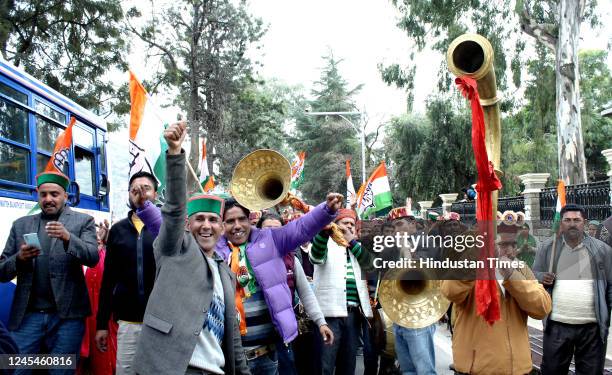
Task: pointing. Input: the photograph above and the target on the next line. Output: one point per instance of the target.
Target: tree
(553, 22)
(327, 140)
(595, 93)
(70, 46)
(556, 24)
(529, 142)
(255, 119)
(202, 46)
(432, 155)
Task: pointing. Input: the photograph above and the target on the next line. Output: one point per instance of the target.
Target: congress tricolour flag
(297, 170)
(206, 180)
(560, 205)
(351, 196)
(375, 195)
(147, 144)
(60, 159)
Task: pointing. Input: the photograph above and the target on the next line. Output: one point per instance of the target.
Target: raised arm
(302, 230)
(457, 291)
(172, 229)
(151, 216)
(318, 252)
(529, 294)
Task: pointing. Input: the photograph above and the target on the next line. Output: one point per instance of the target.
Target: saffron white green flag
(206, 180)
(297, 170)
(351, 196)
(560, 205)
(375, 195)
(147, 145)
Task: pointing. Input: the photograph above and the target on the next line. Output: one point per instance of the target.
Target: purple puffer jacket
(265, 250)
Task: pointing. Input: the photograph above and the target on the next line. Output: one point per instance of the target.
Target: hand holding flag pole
(175, 135)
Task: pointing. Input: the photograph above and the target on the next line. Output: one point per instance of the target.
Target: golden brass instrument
(412, 298)
(417, 302)
(472, 55)
(261, 179)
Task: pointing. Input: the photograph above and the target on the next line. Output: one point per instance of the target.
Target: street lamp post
(361, 132)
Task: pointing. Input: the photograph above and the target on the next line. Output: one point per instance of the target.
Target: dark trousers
(286, 360)
(342, 354)
(370, 355)
(562, 341)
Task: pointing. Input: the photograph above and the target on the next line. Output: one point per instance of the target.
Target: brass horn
(472, 55)
(412, 297)
(261, 179)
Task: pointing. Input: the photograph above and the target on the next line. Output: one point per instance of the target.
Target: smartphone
(31, 239)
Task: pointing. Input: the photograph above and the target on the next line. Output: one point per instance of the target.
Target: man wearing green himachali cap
(190, 324)
(51, 300)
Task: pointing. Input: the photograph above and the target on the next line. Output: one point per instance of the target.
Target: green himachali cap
(205, 203)
(53, 178)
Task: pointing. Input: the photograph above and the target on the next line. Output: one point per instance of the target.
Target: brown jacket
(504, 347)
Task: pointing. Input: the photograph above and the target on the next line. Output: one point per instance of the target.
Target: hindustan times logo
(414, 242)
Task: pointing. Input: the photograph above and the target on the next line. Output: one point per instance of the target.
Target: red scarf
(487, 299)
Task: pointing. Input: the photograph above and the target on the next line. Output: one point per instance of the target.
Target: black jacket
(129, 273)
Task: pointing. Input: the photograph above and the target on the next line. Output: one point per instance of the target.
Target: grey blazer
(65, 265)
(182, 293)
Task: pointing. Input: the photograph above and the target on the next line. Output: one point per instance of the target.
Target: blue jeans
(286, 360)
(57, 336)
(415, 349)
(266, 364)
(342, 354)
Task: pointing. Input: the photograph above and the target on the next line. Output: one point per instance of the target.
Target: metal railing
(593, 196)
(516, 204)
(467, 210)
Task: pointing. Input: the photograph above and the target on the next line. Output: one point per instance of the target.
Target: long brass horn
(472, 55)
(261, 179)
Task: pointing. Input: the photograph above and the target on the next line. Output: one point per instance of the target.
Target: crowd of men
(203, 285)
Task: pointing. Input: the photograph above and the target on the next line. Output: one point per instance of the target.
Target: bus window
(14, 164)
(41, 163)
(13, 123)
(12, 93)
(82, 137)
(46, 134)
(84, 170)
(50, 112)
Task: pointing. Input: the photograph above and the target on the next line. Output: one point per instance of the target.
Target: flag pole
(179, 117)
(193, 174)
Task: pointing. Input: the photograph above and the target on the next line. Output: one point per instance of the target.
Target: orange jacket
(504, 347)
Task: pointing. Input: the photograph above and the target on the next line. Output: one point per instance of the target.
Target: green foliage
(69, 45)
(328, 140)
(529, 140)
(595, 93)
(255, 119)
(435, 24)
(432, 155)
(202, 48)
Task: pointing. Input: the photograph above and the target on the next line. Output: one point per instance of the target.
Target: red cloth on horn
(487, 299)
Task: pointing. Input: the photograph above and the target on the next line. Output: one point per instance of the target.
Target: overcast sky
(363, 34)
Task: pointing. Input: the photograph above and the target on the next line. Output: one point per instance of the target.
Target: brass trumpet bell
(412, 299)
(261, 179)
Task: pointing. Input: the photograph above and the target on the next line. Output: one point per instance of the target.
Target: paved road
(444, 355)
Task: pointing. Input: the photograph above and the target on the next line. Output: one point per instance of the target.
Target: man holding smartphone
(51, 299)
